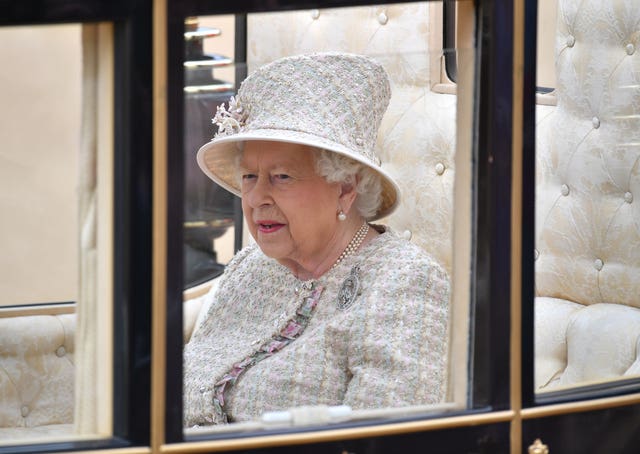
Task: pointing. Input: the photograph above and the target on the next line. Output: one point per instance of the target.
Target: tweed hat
(333, 101)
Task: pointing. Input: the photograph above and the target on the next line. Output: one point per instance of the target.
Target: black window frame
(491, 256)
(132, 183)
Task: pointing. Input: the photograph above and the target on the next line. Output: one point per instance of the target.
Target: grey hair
(337, 168)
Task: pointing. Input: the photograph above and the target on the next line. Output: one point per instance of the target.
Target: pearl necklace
(354, 244)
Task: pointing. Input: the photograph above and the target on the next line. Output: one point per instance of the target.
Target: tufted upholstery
(36, 373)
(587, 199)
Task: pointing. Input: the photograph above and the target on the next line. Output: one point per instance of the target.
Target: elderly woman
(325, 308)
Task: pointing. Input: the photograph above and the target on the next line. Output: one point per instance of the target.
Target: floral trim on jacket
(294, 327)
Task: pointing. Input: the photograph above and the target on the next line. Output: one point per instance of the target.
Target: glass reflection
(55, 274)
(209, 209)
(406, 39)
(587, 313)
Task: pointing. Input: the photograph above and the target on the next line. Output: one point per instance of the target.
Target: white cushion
(601, 341)
(578, 344)
(552, 317)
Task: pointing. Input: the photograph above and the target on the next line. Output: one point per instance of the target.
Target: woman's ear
(348, 195)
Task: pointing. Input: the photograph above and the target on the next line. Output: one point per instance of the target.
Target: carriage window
(587, 311)
(55, 269)
(336, 362)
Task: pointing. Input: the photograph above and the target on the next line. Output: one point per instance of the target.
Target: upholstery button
(315, 14)
(359, 141)
(24, 411)
(571, 40)
(439, 168)
(596, 122)
(536, 254)
(383, 18)
(598, 264)
(61, 351)
(203, 390)
(628, 197)
(630, 49)
(564, 189)
(407, 234)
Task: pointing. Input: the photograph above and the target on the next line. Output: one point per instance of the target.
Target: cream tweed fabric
(389, 349)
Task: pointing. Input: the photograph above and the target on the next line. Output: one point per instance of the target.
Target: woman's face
(290, 209)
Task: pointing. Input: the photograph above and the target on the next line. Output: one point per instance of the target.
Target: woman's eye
(248, 176)
(281, 177)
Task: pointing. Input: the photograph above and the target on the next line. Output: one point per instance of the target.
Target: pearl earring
(342, 216)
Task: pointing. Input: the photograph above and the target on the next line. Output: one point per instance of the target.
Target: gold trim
(158, 352)
(516, 229)
(339, 434)
(577, 407)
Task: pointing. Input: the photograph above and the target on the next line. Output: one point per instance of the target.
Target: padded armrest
(581, 344)
(37, 371)
(195, 308)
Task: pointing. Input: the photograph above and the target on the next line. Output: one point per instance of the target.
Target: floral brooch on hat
(230, 121)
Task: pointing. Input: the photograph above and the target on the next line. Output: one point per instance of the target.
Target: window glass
(56, 268)
(240, 364)
(587, 312)
(546, 71)
(210, 211)
(40, 118)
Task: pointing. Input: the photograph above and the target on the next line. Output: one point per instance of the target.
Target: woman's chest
(313, 370)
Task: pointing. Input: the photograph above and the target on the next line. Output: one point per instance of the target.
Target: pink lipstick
(268, 226)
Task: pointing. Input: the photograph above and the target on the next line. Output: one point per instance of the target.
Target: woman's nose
(260, 194)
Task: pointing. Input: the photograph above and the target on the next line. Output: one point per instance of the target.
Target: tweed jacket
(388, 348)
